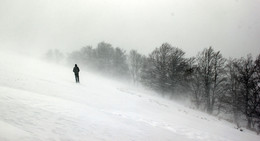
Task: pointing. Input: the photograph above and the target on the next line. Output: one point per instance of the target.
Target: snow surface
(41, 102)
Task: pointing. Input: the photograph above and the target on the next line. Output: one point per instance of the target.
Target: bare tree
(195, 84)
(120, 67)
(87, 56)
(245, 68)
(104, 56)
(219, 82)
(212, 65)
(177, 69)
(255, 102)
(135, 62)
(168, 68)
(233, 95)
(205, 63)
(160, 59)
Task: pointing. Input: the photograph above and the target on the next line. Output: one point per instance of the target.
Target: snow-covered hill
(41, 102)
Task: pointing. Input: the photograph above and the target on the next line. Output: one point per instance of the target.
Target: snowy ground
(41, 102)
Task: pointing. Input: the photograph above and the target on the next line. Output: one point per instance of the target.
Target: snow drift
(41, 101)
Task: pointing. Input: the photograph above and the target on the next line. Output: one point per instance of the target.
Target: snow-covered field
(41, 102)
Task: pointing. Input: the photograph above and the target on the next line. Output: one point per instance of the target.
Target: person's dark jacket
(76, 69)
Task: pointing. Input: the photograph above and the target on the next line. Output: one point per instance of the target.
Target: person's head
(75, 65)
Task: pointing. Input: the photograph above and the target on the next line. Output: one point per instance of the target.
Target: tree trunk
(208, 99)
(249, 122)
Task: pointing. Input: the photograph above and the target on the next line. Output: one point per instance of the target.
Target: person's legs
(77, 78)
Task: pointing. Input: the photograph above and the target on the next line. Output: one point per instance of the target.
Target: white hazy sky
(231, 26)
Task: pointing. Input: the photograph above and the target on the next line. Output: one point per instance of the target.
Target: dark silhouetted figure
(76, 72)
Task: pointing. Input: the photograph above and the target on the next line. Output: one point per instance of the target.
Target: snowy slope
(41, 102)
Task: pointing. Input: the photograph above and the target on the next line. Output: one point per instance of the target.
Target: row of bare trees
(213, 83)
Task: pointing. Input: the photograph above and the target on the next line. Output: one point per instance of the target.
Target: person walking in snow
(76, 72)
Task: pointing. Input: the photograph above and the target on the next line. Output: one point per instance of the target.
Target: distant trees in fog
(135, 64)
(104, 58)
(213, 83)
(54, 56)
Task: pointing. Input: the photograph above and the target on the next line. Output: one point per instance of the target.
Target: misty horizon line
(127, 51)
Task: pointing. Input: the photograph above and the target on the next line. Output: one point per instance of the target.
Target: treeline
(214, 84)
